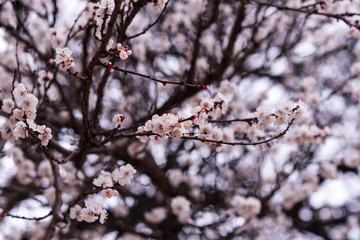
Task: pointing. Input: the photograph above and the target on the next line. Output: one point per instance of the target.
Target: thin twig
(69, 36)
(90, 69)
(248, 120)
(26, 218)
(340, 17)
(150, 133)
(242, 143)
(58, 201)
(152, 24)
(182, 83)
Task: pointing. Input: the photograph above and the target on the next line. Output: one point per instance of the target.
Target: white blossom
(31, 114)
(123, 55)
(118, 118)
(109, 193)
(175, 177)
(88, 215)
(156, 215)
(75, 212)
(19, 92)
(20, 130)
(18, 114)
(124, 174)
(124, 52)
(64, 59)
(216, 134)
(180, 207)
(207, 104)
(94, 206)
(7, 131)
(246, 207)
(103, 216)
(8, 105)
(103, 180)
(107, 6)
(29, 102)
(45, 137)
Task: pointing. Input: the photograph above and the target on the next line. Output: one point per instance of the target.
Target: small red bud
(206, 87)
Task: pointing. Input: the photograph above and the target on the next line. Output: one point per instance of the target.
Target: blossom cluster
(90, 213)
(281, 115)
(23, 115)
(199, 124)
(106, 180)
(122, 176)
(124, 52)
(246, 207)
(63, 57)
(102, 16)
(170, 125)
(165, 125)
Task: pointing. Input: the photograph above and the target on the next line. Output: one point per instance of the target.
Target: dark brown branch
(25, 218)
(179, 96)
(90, 69)
(341, 17)
(56, 9)
(152, 24)
(69, 36)
(164, 82)
(113, 137)
(58, 201)
(242, 143)
(248, 120)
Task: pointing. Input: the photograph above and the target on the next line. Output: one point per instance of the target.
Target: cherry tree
(188, 119)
